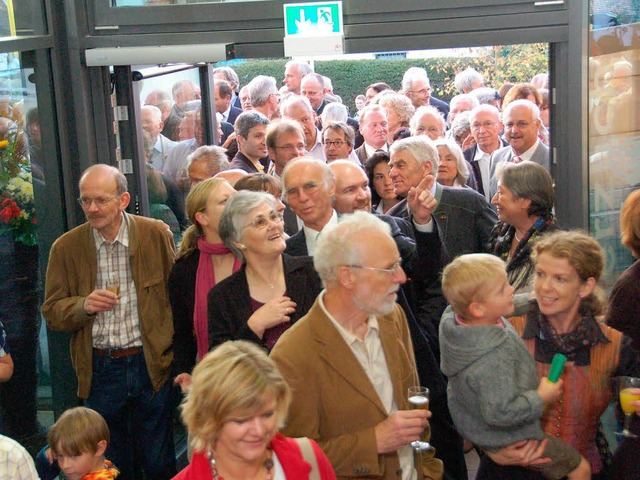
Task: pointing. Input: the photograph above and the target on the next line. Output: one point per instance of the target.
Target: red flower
(10, 210)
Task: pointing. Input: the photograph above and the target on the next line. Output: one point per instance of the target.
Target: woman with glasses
(202, 261)
(272, 290)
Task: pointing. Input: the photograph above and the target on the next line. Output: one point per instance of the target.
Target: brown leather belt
(117, 352)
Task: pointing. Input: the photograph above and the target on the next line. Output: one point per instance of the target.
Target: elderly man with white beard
(367, 433)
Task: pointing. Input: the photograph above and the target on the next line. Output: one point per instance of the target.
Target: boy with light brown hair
(77, 442)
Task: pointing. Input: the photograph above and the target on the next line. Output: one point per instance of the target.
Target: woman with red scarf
(202, 262)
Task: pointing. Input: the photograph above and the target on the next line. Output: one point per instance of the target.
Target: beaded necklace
(267, 464)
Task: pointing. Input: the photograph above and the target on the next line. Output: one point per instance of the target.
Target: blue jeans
(139, 419)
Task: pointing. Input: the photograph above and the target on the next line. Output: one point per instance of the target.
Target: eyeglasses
(424, 91)
(387, 271)
(288, 147)
(337, 143)
(100, 201)
(486, 125)
(308, 188)
(420, 130)
(261, 222)
(521, 124)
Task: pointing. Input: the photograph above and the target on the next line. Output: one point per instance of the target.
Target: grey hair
(233, 219)
(533, 108)
(261, 88)
(486, 95)
(531, 181)
(349, 134)
(398, 103)
(421, 112)
(292, 101)
(421, 149)
(230, 74)
(340, 244)
(156, 113)
(327, 174)
(465, 96)
(413, 73)
(334, 112)
(464, 80)
(456, 151)
(362, 115)
(461, 124)
(247, 120)
(303, 67)
(484, 107)
(214, 156)
(318, 78)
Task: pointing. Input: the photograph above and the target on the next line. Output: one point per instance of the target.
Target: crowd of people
(307, 293)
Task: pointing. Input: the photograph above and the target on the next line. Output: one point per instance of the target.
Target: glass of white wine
(629, 392)
(113, 285)
(419, 399)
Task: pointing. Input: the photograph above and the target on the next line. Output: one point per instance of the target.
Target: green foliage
(510, 63)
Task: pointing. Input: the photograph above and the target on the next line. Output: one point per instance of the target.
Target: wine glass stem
(627, 421)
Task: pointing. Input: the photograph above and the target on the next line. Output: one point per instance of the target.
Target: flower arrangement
(17, 203)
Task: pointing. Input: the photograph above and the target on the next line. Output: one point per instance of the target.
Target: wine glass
(627, 395)
(419, 399)
(113, 285)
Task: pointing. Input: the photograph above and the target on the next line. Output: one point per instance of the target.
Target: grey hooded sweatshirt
(492, 383)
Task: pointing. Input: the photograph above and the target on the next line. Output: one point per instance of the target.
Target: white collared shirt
(484, 160)
(369, 150)
(311, 235)
(225, 114)
(317, 151)
(529, 153)
(370, 355)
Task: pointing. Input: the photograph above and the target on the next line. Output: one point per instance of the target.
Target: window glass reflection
(23, 17)
(23, 177)
(614, 128)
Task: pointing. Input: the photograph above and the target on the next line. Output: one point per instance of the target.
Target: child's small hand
(49, 454)
(549, 391)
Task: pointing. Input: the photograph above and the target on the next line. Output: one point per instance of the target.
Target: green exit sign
(311, 19)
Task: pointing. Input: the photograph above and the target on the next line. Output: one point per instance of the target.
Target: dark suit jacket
(229, 302)
(464, 217)
(227, 129)
(290, 221)
(233, 114)
(505, 155)
(469, 155)
(440, 105)
(335, 403)
(297, 244)
(182, 295)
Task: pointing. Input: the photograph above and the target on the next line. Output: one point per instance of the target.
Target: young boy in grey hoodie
(494, 395)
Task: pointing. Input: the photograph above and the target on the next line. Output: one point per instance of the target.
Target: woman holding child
(237, 403)
(562, 319)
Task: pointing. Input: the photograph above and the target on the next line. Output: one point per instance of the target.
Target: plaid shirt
(15, 462)
(119, 327)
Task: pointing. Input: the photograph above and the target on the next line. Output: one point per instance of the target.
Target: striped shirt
(119, 327)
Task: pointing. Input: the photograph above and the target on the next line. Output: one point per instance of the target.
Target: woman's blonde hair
(630, 223)
(468, 278)
(583, 253)
(196, 202)
(236, 379)
(78, 431)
